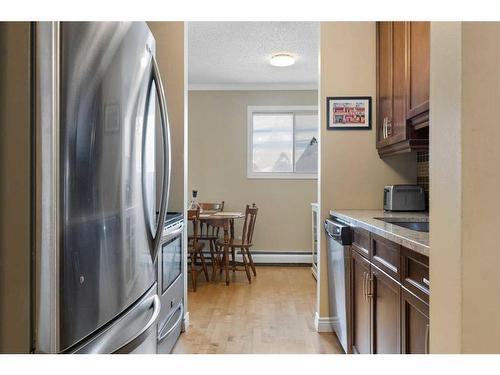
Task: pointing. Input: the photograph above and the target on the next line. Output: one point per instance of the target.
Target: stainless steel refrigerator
(98, 95)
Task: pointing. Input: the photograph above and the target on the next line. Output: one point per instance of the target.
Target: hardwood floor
(274, 314)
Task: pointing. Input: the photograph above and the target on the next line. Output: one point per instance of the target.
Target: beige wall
(465, 307)
(480, 186)
(15, 335)
(352, 174)
(218, 166)
(170, 55)
(445, 188)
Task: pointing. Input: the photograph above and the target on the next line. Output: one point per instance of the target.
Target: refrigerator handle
(165, 131)
(144, 332)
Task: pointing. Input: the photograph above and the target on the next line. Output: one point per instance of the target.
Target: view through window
(283, 142)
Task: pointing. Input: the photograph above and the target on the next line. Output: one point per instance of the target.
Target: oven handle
(181, 315)
(174, 233)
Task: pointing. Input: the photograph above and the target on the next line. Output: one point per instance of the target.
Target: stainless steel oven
(170, 284)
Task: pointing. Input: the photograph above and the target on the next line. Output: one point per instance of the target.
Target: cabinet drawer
(361, 241)
(415, 273)
(385, 255)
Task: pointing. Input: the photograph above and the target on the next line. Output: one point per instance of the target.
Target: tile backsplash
(423, 173)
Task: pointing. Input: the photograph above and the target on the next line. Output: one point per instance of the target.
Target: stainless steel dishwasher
(339, 237)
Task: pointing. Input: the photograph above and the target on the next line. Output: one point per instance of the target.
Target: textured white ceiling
(235, 53)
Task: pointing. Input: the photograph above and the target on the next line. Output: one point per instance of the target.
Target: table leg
(226, 250)
(233, 250)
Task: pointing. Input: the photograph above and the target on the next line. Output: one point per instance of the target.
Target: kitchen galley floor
(274, 314)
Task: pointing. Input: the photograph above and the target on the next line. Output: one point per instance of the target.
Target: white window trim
(251, 109)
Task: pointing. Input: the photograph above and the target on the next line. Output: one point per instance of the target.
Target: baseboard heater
(299, 258)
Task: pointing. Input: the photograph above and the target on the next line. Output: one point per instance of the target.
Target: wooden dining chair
(244, 244)
(195, 248)
(211, 234)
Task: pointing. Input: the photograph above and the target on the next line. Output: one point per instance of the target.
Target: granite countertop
(417, 241)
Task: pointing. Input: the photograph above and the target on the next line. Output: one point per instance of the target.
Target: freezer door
(107, 171)
(133, 332)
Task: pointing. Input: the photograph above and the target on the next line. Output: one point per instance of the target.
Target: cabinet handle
(427, 333)
(384, 127)
(426, 282)
(368, 286)
(364, 286)
(389, 127)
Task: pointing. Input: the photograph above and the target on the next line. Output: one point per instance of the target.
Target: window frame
(267, 109)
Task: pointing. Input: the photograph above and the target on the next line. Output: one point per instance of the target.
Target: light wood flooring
(274, 314)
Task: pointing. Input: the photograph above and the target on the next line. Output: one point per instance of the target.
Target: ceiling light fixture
(282, 59)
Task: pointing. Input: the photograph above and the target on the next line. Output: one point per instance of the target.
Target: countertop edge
(397, 238)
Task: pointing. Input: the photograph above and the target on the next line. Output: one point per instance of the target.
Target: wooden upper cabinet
(384, 80)
(402, 86)
(396, 128)
(419, 74)
(391, 86)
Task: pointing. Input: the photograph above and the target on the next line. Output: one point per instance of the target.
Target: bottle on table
(194, 201)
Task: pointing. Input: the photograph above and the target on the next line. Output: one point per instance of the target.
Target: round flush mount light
(282, 59)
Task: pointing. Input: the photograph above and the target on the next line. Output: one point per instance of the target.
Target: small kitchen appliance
(404, 198)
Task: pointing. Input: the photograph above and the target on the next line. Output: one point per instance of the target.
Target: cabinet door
(396, 127)
(419, 66)
(386, 313)
(384, 80)
(415, 324)
(360, 270)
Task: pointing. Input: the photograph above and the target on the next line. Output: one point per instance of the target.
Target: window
(282, 142)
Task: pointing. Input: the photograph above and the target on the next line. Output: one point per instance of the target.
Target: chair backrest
(194, 217)
(207, 229)
(249, 224)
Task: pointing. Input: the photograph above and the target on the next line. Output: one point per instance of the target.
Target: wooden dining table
(224, 220)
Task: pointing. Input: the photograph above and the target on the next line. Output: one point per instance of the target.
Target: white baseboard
(323, 324)
(185, 323)
(278, 257)
(274, 256)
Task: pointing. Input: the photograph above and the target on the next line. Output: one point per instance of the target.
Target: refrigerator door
(109, 83)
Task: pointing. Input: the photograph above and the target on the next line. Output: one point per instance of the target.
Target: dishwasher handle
(338, 231)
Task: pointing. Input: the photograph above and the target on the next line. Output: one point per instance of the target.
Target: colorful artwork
(348, 113)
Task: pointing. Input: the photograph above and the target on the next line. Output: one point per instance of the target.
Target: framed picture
(349, 113)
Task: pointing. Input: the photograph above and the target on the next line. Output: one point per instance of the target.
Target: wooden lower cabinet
(415, 324)
(386, 317)
(386, 298)
(360, 271)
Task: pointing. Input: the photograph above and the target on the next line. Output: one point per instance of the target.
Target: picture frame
(349, 113)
